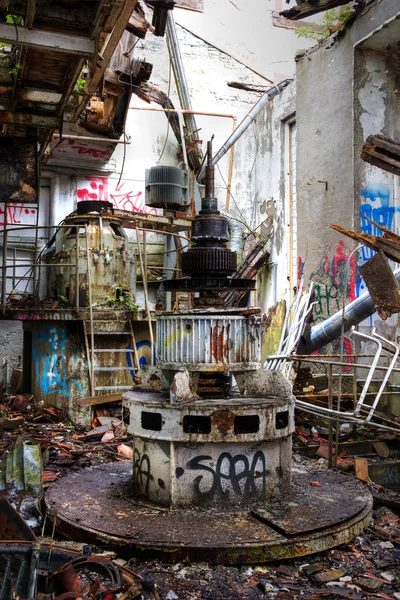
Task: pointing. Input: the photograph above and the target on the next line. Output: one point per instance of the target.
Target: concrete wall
(344, 93)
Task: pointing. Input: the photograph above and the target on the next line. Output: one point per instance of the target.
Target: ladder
(113, 341)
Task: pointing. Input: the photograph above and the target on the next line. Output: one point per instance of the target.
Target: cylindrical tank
(208, 341)
(108, 262)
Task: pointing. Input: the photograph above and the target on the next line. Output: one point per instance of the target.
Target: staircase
(113, 356)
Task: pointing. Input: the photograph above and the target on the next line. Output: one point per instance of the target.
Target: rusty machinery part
(208, 262)
(208, 283)
(99, 206)
(213, 261)
(309, 520)
(209, 342)
(167, 187)
(211, 227)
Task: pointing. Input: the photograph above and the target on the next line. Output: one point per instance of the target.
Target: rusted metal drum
(208, 341)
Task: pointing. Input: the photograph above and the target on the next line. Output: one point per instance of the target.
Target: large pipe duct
(355, 312)
(249, 118)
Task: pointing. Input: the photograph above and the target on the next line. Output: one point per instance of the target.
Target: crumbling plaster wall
(273, 200)
(343, 94)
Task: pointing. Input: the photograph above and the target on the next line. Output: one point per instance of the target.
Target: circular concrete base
(97, 505)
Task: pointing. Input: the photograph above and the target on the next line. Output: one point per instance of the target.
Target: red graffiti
(17, 214)
(81, 148)
(121, 196)
(339, 262)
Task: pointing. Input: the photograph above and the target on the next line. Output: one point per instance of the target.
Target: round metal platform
(96, 505)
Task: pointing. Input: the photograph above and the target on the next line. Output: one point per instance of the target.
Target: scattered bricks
(48, 477)
(325, 576)
(125, 450)
(323, 451)
(108, 436)
(369, 585)
(314, 568)
(316, 484)
(22, 402)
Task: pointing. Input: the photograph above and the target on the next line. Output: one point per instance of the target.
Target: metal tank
(94, 247)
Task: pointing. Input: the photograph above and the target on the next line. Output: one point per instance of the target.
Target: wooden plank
(47, 40)
(309, 8)
(197, 5)
(361, 468)
(382, 152)
(95, 400)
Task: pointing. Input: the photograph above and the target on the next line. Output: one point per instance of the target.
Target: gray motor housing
(166, 187)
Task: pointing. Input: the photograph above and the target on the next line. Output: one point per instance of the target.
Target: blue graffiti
(51, 367)
(142, 359)
(376, 206)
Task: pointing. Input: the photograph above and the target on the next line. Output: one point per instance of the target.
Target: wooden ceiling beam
(46, 40)
(309, 8)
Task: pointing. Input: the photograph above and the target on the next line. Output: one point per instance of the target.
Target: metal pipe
(249, 118)
(184, 112)
(329, 330)
(236, 230)
(88, 138)
(180, 77)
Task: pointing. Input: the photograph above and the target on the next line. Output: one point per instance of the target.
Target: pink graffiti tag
(98, 188)
(17, 214)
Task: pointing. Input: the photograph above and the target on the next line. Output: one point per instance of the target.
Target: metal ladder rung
(114, 350)
(104, 369)
(111, 333)
(113, 387)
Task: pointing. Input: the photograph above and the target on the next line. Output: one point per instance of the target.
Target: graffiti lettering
(375, 205)
(17, 214)
(64, 146)
(232, 474)
(121, 196)
(326, 298)
(142, 468)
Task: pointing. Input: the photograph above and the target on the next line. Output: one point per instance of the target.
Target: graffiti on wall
(56, 361)
(80, 148)
(122, 195)
(375, 205)
(329, 282)
(18, 213)
(231, 475)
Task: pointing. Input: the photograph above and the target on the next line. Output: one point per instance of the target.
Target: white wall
(244, 29)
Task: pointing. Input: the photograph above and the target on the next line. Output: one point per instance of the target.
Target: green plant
(87, 300)
(122, 299)
(336, 18)
(80, 85)
(63, 301)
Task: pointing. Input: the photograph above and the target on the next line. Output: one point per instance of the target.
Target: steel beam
(46, 40)
(30, 120)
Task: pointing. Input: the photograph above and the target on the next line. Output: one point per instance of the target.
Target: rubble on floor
(366, 569)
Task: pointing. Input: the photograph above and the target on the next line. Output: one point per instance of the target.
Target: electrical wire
(167, 115)
(234, 201)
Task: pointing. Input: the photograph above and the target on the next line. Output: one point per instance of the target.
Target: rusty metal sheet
(382, 285)
(12, 526)
(18, 170)
(313, 508)
(97, 505)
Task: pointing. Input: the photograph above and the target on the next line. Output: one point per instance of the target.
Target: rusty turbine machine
(212, 471)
